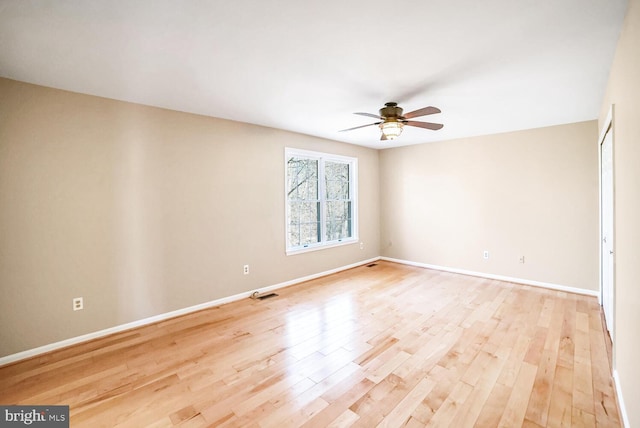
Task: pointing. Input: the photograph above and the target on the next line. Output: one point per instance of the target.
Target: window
(321, 198)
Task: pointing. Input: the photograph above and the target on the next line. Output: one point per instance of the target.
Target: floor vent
(372, 265)
(258, 296)
(266, 296)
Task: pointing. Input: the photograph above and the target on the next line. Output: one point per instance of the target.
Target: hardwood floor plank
(540, 399)
(302, 415)
(451, 406)
(517, 405)
(346, 419)
(339, 404)
(389, 345)
(474, 404)
(402, 412)
(604, 391)
(560, 408)
(292, 400)
(494, 406)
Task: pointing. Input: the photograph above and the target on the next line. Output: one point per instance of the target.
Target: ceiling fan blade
(361, 126)
(369, 115)
(426, 125)
(422, 112)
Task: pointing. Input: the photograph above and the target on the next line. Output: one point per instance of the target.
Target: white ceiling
(305, 66)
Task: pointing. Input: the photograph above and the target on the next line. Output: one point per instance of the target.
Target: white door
(606, 216)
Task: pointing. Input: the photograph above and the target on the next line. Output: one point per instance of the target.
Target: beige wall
(142, 211)
(624, 92)
(530, 193)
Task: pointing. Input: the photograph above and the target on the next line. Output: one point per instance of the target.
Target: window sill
(317, 247)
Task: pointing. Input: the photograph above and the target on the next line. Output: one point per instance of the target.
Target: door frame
(608, 126)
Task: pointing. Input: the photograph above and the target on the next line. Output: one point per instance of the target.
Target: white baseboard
(161, 317)
(498, 277)
(623, 410)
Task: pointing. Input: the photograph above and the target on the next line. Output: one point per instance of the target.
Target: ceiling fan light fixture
(391, 129)
(391, 121)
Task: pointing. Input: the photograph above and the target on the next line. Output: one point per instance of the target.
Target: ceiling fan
(393, 120)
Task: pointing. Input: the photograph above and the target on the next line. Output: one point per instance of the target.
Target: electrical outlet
(78, 304)
(522, 259)
(362, 245)
(485, 254)
(245, 269)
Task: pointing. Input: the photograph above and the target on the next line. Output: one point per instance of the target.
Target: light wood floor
(386, 345)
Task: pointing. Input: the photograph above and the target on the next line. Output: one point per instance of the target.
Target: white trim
(621, 407)
(161, 317)
(610, 327)
(318, 155)
(608, 122)
(548, 285)
(600, 288)
(322, 246)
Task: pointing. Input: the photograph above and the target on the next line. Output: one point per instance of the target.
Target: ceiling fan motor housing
(391, 110)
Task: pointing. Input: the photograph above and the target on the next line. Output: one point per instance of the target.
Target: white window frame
(353, 189)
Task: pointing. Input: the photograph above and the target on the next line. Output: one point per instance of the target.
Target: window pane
(337, 180)
(338, 220)
(303, 234)
(304, 223)
(302, 179)
(303, 212)
(309, 233)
